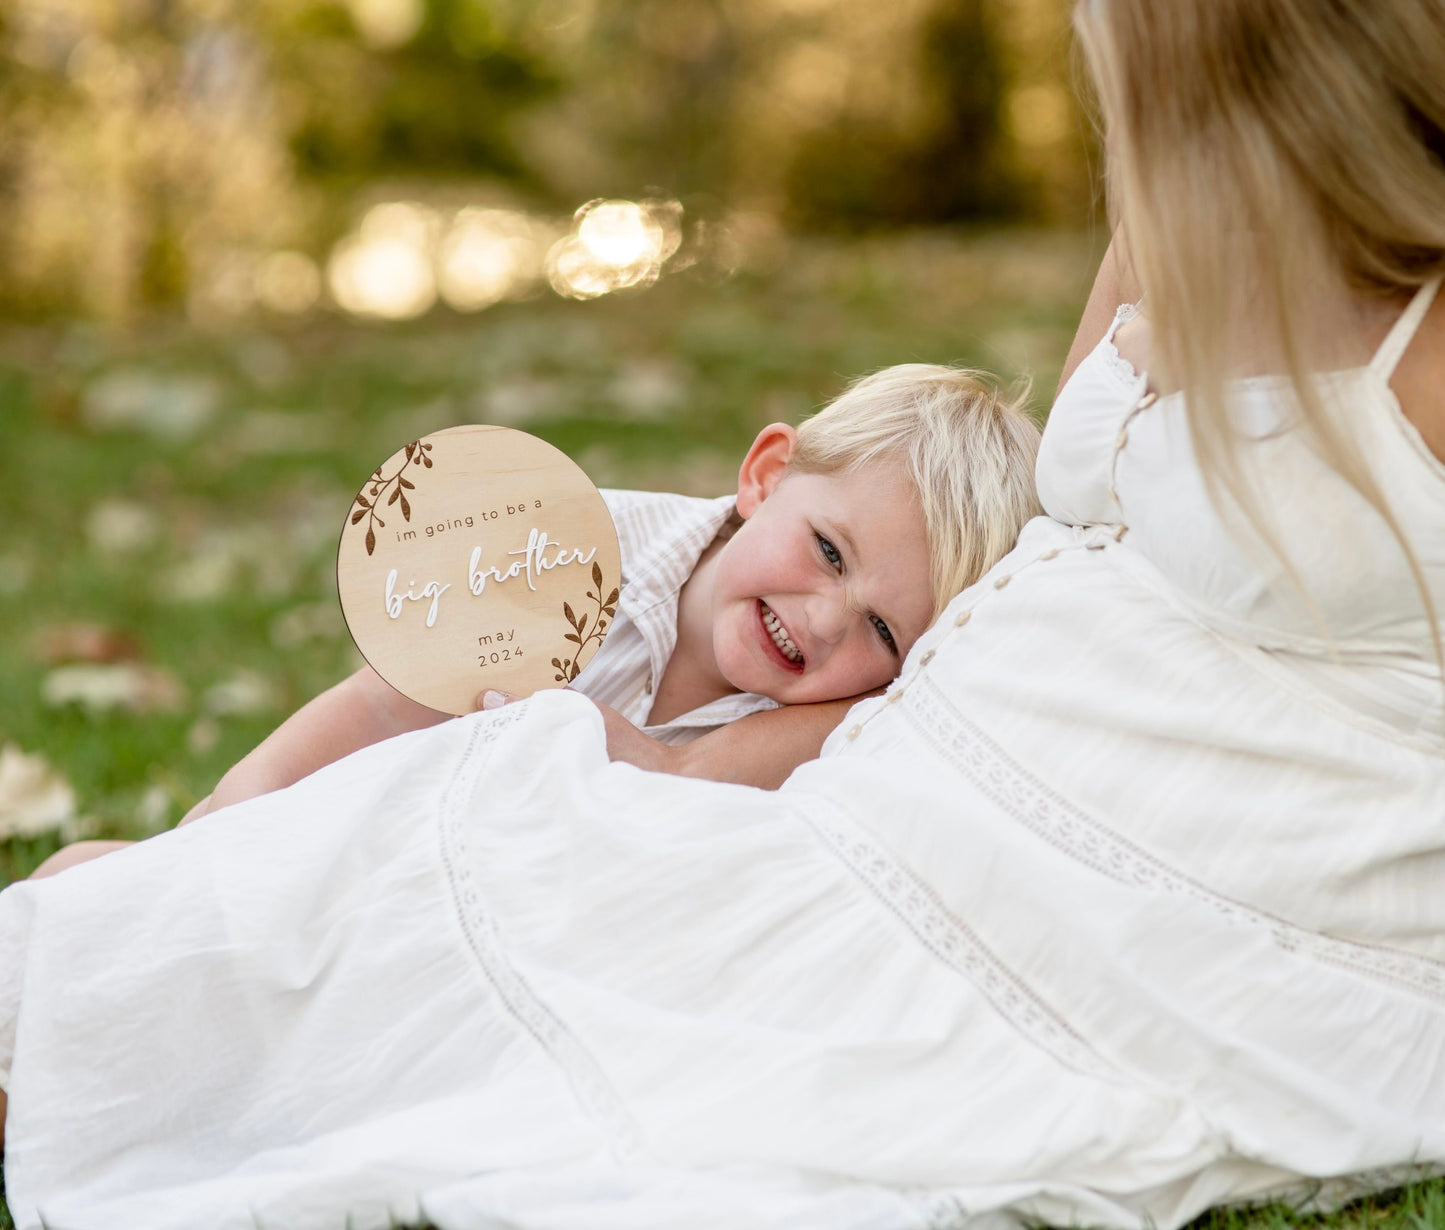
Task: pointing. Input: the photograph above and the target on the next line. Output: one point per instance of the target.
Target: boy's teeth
(780, 636)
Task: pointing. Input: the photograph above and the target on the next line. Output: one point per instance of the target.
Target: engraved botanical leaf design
(414, 452)
(570, 668)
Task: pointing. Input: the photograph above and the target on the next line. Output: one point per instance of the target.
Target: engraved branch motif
(581, 636)
(416, 454)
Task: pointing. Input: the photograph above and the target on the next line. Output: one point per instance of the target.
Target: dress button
(1122, 440)
(962, 618)
(1120, 532)
(1002, 581)
(895, 696)
(1051, 553)
(853, 733)
(926, 658)
(1147, 400)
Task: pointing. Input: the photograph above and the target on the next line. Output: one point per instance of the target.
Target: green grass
(231, 568)
(662, 388)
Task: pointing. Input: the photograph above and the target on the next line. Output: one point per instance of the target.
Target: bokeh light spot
(385, 269)
(1038, 115)
(288, 282)
(487, 256)
(614, 245)
(385, 24)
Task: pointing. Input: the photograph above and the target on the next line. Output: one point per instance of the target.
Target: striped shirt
(662, 536)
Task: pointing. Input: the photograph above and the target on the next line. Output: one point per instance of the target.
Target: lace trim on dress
(583, 1073)
(954, 943)
(1069, 828)
(1108, 352)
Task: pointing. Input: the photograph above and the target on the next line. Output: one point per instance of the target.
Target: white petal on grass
(245, 692)
(153, 810)
(519, 400)
(225, 555)
(169, 407)
(118, 526)
(15, 572)
(99, 688)
(203, 736)
(202, 578)
(264, 433)
(316, 621)
(35, 797)
(648, 388)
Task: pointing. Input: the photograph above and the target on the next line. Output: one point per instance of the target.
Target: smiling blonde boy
(846, 538)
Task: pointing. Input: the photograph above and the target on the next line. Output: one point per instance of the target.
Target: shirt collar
(659, 569)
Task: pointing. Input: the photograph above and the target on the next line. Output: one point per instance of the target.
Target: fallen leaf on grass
(85, 642)
(101, 687)
(34, 797)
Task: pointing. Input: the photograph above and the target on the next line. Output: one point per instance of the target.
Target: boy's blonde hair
(967, 447)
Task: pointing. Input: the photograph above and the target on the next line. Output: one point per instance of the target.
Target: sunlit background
(251, 247)
(384, 157)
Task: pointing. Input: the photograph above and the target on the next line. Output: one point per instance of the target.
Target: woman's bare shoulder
(1113, 284)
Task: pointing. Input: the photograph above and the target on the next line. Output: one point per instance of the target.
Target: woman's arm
(356, 713)
(1113, 284)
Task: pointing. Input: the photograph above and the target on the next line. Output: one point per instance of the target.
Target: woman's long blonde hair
(1270, 164)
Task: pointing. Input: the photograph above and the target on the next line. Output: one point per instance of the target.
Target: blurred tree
(943, 158)
(156, 151)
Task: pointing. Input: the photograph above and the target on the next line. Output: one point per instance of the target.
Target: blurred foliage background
(209, 155)
(250, 248)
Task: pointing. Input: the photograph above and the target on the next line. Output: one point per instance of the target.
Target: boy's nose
(829, 618)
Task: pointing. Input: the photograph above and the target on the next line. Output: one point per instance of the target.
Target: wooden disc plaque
(478, 557)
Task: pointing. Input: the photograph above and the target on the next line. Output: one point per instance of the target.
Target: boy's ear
(764, 466)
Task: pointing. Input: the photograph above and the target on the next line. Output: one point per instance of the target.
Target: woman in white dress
(1123, 902)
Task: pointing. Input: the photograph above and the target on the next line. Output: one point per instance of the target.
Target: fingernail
(492, 699)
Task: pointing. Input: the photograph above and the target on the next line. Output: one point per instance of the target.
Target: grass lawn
(171, 500)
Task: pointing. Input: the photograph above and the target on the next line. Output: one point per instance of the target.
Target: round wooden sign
(478, 557)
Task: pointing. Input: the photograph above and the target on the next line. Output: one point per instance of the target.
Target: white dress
(1124, 902)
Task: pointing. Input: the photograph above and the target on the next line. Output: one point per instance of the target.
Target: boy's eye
(829, 552)
(886, 636)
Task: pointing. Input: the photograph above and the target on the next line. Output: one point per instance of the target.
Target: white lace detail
(1108, 351)
(954, 943)
(589, 1085)
(1069, 828)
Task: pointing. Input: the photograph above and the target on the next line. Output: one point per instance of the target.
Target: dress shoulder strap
(1398, 339)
